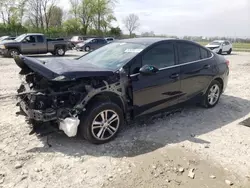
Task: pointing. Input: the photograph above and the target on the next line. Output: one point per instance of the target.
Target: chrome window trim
(170, 67)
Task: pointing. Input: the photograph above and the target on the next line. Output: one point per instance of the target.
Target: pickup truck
(33, 43)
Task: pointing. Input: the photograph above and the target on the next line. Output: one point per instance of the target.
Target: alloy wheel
(105, 125)
(214, 94)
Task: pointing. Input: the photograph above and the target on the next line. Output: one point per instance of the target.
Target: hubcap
(214, 94)
(60, 51)
(105, 125)
(14, 53)
(87, 49)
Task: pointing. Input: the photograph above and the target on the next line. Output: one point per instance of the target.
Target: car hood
(9, 42)
(65, 69)
(212, 46)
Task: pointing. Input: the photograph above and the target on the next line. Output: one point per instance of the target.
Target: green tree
(72, 26)
(115, 32)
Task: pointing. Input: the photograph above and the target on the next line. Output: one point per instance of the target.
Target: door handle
(33, 44)
(174, 76)
(207, 66)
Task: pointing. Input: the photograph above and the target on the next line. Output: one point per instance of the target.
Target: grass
(243, 47)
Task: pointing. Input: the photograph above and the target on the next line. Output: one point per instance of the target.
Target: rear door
(41, 44)
(28, 45)
(197, 68)
(155, 92)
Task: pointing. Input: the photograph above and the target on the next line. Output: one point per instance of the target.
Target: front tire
(13, 52)
(230, 51)
(87, 49)
(220, 52)
(102, 122)
(212, 95)
(60, 51)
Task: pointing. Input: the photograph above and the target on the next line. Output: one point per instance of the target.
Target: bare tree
(39, 14)
(131, 22)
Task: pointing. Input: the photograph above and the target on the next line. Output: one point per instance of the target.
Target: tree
(39, 14)
(115, 31)
(56, 14)
(131, 23)
(148, 34)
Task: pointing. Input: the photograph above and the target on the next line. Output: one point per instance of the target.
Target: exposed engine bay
(45, 100)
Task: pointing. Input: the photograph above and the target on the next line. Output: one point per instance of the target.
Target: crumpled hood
(69, 68)
(212, 46)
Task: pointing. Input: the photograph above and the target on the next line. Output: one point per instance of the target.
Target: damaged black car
(97, 93)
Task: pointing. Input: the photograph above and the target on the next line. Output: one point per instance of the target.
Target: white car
(220, 46)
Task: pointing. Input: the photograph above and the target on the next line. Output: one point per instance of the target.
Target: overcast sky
(188, 17)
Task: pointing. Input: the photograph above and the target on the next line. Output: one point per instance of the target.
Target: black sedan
(119, 82)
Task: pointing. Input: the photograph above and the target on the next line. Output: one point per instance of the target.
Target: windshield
(20, 38)
(88, 40)
(113, 56)
(215, 43)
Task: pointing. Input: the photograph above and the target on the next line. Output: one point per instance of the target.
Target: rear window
(205, 53)
(188, 52)
(40, 38)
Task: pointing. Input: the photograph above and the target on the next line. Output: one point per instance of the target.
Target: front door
(28, 45)
(155, 92)
(197, 68)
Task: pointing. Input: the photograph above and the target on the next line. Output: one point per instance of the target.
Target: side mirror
(148, 70)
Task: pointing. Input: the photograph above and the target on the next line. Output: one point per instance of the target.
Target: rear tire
(101, 132)
(230, 51)
(60, 51)
(212, 95)
(13, 52)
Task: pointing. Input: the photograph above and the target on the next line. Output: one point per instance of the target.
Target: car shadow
(151, 133)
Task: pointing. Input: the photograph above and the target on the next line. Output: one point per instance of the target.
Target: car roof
(146, 40)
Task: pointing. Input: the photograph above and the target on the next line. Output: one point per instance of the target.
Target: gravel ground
(154, 152)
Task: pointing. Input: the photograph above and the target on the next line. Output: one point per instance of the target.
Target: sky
(188, 17)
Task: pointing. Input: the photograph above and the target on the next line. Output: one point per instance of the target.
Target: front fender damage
(44, 102)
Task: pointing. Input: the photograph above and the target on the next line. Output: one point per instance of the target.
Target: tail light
(227, 62)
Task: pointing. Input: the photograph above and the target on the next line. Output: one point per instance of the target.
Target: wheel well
(13, 48)
(221, 82)
(105, 97)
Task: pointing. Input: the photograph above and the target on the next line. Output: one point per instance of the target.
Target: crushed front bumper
(38, 115)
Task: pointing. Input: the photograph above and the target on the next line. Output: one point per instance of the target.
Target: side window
(188, 52)
(30, 39)
(204, 53)
(135, 66)
(160, 56)
(40, 39)
(94, 41)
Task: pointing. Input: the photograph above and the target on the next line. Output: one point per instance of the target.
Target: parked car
(4, 38)
(91, 44)
(220, 46)
(33, 43)
(77, 39)
(119, 82)
(110, 39)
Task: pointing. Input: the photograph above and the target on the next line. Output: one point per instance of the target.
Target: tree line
(84, 17)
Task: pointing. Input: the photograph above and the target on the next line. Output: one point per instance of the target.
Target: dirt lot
(157, 152)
